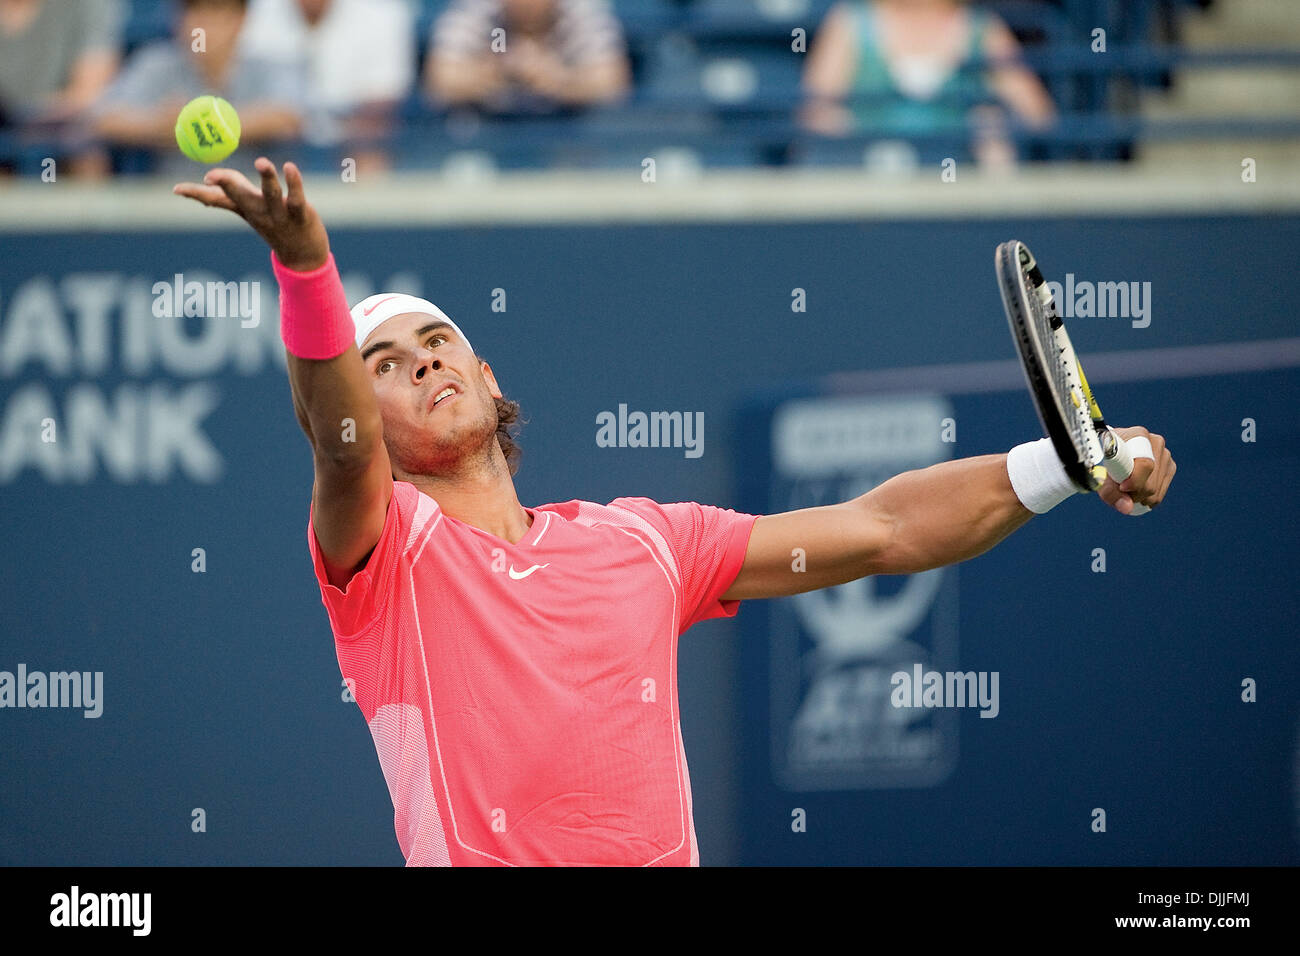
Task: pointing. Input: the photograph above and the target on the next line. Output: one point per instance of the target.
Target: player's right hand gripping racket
(1088, 447)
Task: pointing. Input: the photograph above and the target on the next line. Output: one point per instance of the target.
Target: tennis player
(517, 666)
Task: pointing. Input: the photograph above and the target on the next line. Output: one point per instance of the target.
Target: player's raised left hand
(1150, 480)
(288, 223)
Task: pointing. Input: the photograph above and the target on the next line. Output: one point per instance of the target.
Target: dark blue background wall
(222, 691)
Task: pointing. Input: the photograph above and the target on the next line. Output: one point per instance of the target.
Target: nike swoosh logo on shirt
(519, 575)
(377, 305)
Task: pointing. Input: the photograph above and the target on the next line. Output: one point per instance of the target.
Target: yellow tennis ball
(207, 129)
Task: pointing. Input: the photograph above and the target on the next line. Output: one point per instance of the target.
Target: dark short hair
(508, 425)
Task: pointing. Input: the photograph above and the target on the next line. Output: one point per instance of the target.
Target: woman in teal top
(907, 67)
(925, 95)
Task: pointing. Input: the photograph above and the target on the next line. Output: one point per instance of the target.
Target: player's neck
(484, 497)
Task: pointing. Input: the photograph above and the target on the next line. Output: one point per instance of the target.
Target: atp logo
(834, 650)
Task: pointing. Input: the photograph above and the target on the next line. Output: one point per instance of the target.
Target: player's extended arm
(333, 398)
(913, 522)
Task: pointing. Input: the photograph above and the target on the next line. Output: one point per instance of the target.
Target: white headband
(371, 312)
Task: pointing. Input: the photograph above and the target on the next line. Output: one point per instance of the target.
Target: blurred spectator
(358, 58)
(141, 105)
(527, 55)
(913, 63)
(56, 58)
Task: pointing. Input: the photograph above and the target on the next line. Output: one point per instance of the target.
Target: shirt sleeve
(355, 609)
(709, 546)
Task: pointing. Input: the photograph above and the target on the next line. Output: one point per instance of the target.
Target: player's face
(422, 359)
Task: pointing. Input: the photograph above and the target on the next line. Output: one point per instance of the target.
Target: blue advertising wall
(1120, 648)
(221, 690)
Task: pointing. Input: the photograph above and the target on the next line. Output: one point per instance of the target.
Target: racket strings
(1067, 377)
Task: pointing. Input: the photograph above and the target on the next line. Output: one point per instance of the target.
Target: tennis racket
(1088, 447)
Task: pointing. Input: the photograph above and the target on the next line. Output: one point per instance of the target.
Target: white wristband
(1038, 477)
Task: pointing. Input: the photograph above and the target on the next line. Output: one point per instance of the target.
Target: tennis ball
(207, 129)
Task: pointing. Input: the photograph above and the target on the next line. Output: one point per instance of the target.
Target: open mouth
(446, 395)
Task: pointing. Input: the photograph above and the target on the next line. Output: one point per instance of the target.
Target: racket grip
(1119, 464)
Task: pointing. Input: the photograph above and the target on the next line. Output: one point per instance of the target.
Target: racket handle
(1119, 463)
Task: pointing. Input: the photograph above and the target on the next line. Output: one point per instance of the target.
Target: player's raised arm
(332, 395)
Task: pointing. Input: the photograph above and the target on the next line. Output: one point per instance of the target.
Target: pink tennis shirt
(523, 697)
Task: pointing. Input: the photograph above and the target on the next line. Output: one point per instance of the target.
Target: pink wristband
(315, 321)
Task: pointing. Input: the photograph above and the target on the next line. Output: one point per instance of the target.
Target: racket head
(1055, 383)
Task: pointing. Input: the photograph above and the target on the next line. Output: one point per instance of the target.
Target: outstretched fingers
(296, 204)
(243, 194)
(208, 195)
(271, 191)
